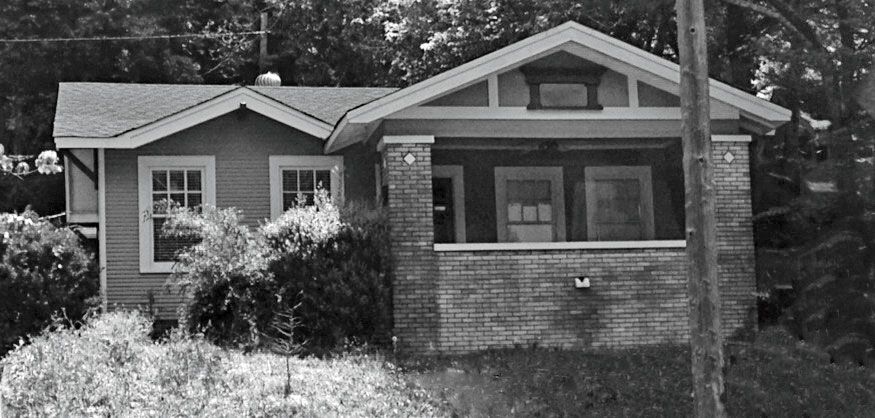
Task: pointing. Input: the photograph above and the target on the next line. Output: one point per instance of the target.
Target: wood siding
(241, 143)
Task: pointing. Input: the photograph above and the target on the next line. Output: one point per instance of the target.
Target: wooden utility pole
(262, 45)
(706, 340)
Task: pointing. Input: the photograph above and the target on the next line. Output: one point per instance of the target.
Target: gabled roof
(567, 36)
(116, 115)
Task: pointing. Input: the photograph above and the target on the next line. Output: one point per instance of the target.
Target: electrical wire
(131, 38)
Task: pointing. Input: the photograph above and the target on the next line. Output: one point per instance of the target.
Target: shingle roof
(103, 110)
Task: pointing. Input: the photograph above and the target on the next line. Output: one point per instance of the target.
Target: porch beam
(731, 138)
(522, 113)
(404, 139)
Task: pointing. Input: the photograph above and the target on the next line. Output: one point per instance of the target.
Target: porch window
(530, 204)
(299, 177)
(619, 203)
(183, 181)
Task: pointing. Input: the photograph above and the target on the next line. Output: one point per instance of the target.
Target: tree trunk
(706, 341)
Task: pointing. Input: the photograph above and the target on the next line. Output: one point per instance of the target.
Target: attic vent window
(564, 88)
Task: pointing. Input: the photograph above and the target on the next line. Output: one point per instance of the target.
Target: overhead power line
(132, 38)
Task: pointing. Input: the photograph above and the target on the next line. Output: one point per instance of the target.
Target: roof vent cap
(268, 79)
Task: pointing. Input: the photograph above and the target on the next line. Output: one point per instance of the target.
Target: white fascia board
(522, 113)
(525, 50)
(218, 106)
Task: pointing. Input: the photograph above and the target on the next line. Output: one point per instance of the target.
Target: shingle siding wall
(241, 145)
(502, 299)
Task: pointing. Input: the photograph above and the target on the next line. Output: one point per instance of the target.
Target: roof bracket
(92, 174)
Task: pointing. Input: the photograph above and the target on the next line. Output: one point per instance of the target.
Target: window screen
(303, 184)
(180, 187)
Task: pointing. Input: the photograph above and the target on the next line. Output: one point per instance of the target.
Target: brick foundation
(461, 301)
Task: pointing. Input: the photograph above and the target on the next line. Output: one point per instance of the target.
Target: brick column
(736, 253)
(407, 173)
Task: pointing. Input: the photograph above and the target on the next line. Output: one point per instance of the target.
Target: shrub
(332, 263)
(336, 263)
(229, 291)
(43, 270)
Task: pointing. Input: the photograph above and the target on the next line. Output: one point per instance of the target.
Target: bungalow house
(536, 194)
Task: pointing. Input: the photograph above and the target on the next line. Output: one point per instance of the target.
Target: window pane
(530, 213)
(307, 181)
(194, 180)
(290, 180)
(545, 212)
(159, 203)
(323, 179)
(618, 201)
(165, 248)
(618, 209)
(159, 181)
(514, 212)
(541, 190)
(194, 200)
(177, 180)
(563, 95)
(178, 199)
(309, 199)
(289, 200)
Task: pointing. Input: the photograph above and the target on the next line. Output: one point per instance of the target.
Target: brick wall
(459, 301)
(412, 235)
(500, 299)
(735, 234)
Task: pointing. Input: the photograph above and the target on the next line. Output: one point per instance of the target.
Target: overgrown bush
(110, 367)
(336, 263)
(333, 263)
(44, 269)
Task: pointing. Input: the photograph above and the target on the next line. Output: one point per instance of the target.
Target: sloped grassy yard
(110, 368)
(774, 376)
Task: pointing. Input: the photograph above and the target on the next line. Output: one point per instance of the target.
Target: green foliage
(43, 270)
(110, 367)
(238, 280)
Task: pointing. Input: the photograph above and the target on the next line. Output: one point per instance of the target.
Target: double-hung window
(294, 178)
(164, 181)
(530, 204)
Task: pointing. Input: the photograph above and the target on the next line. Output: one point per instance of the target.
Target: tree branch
(784, 14)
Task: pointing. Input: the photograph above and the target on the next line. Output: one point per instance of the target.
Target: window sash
(546, 207)
(187, 179)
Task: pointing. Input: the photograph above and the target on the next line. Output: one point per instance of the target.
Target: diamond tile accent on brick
(409, 159)
(729, 157)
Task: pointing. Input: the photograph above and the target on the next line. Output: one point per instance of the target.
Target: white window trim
(145, 165)
(641, 173)
(302, 162)
(457, 176)
(554, 174)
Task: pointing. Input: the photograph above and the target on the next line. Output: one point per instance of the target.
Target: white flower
(2, 149)
(6, 163)
(22, 168)
(47, 163)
